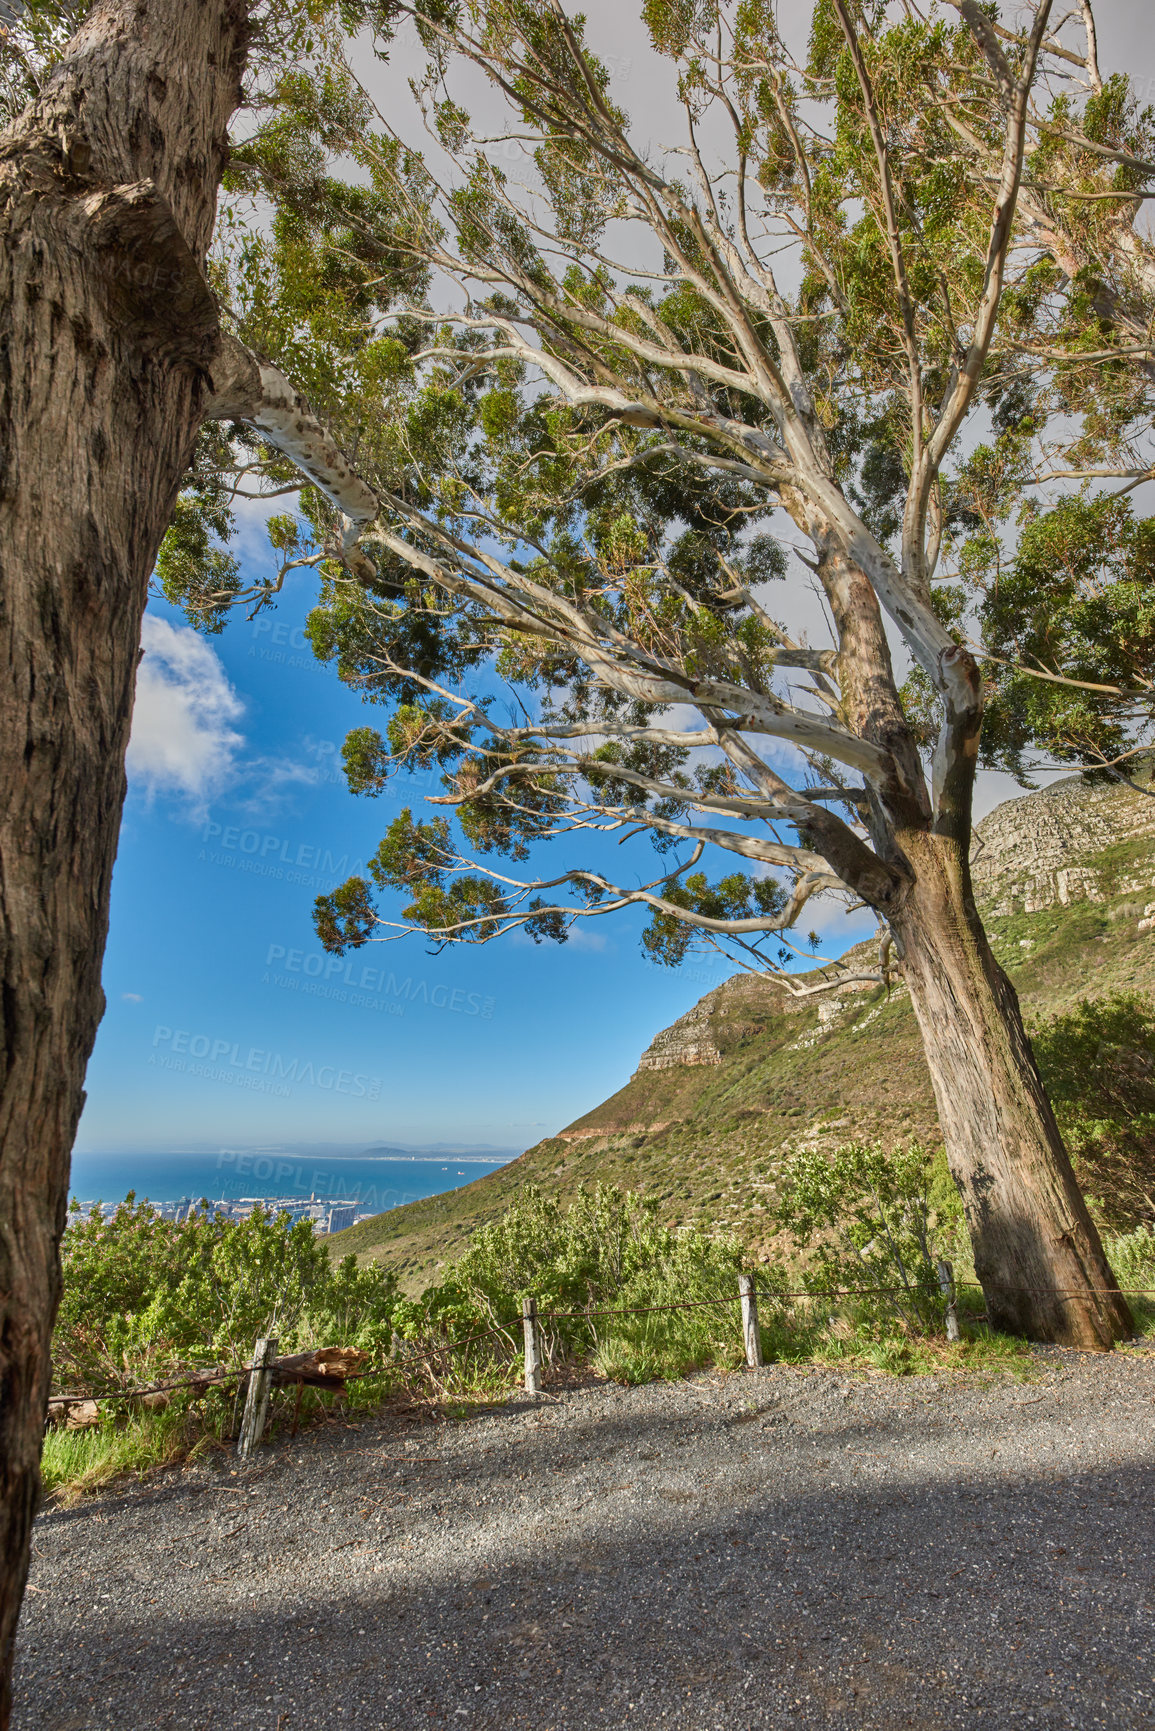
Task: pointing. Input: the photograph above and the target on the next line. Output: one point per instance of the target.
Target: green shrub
(1098, 1064)
(605, 1252)
(1132, 1257)
(872, 1223)
(145, 1299)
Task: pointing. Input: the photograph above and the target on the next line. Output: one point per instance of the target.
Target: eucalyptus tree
(641, 374)
(112, 357)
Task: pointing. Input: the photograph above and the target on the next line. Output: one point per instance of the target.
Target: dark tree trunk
(1037, 1253)
(108, 190)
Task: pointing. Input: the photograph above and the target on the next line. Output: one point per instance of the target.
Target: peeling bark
(108, 335)
(1037, 1253)
(248, 389)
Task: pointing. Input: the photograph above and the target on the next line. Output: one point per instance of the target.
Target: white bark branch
(248, 389)
(659, 682)
(958, 403)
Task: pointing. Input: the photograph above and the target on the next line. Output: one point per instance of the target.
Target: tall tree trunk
(108, 189)
(1037, 1253)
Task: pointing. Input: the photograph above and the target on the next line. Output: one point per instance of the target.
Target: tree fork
(108, 333)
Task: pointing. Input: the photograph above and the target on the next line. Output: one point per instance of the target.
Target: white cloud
(837, 925)
(272, 780)
(132, 998)
(183, 740)
(583, 935)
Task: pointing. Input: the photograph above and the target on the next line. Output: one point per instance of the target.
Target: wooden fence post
(257, 1398)
(532, 1346)
(946, 1285)
(751, 1333)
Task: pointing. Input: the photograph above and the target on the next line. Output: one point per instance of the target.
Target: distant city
(304, 1183)
(326, 1215)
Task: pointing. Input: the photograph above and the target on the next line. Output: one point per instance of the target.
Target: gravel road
(771, 1548)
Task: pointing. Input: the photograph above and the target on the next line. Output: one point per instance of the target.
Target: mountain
(467, 1151)
(1065, 878)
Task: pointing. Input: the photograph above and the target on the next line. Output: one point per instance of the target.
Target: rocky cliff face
(732, 1011)
(689, 1040)
(1041, 851)
(1031, 853)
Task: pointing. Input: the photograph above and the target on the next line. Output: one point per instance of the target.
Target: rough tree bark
(1037, 1252)
(108, 335)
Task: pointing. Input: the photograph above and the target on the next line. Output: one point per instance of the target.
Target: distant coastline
(372, 1182)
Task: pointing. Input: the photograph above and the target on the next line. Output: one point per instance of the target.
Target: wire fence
(848, 1292)
(286, 1372)
(227, 1378)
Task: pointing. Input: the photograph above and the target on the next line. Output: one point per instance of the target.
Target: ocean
(229, 1174)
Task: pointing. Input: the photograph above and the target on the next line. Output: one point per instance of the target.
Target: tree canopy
(877, 321)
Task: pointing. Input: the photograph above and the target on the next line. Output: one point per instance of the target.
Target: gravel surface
(772, 1548)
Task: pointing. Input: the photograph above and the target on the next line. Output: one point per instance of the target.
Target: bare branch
(894, 239)
(956, 407)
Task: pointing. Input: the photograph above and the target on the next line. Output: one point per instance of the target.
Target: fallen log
(73, 1413)
(325, 1367)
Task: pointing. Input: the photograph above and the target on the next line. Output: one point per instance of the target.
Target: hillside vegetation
(1065, 878)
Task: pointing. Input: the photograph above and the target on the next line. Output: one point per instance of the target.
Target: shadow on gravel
(981, 1604)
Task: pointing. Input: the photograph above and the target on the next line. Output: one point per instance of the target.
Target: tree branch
(248, 389)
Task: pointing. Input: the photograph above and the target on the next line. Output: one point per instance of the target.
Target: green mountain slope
(1066, 880)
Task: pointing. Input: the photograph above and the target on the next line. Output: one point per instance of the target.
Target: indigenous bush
(871, 1224)
(1132, 1256)
(1098, 1062)
(1133, 1259)
(606, 1251)
(616, 1291)
(145, 1298)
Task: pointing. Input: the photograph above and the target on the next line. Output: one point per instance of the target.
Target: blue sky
(225, 1021)
(222, 1026)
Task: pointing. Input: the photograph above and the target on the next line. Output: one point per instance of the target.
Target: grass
(1132, 1256)
(75, 1463)
(665, 1347)
(980, 1352)
(132, 1443)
